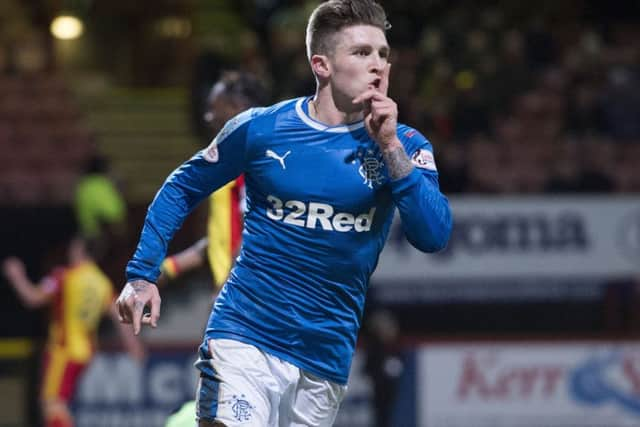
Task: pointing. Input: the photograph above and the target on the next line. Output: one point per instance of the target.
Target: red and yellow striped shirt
(82, 295)
(224, 228)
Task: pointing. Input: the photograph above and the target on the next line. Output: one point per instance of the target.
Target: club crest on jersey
(424, 159)
(210, 153)
(371, 169)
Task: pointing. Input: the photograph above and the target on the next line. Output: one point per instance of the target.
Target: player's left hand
(380, 113)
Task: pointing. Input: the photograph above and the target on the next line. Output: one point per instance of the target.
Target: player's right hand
(134, 297)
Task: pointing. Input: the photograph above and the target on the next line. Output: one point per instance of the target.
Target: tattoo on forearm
(398, 163)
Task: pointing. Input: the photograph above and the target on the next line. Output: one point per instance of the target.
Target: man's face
(359, 59)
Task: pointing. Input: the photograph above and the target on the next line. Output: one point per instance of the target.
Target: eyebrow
(385, 48)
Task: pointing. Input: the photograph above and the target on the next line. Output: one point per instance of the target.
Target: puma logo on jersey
(318, 214)
(274, 155)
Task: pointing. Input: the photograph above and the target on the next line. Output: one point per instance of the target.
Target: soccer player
(233, 93)
(324, 175)
(79, 295)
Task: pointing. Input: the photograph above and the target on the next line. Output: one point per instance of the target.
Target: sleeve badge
(210, 153)
(424, 159)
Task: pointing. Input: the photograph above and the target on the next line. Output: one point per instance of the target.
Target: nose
(377, 63)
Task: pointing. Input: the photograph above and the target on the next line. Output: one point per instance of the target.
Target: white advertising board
(496, 237)
(529, 385)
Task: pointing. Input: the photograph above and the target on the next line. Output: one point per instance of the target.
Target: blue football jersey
(319, 205)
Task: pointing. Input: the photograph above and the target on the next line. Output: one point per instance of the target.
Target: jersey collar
(302, 111)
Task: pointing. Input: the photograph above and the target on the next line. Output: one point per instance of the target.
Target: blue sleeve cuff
(401, 185)
(133, 273)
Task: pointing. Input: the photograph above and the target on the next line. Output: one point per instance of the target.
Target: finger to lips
(368, 95)
(384, 79)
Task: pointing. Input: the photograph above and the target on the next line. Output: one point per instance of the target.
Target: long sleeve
(424, 210)
(183, 190)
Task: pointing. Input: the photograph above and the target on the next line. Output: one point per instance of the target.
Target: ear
(321, 66)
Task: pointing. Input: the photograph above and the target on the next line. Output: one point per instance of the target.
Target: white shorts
(254, 389)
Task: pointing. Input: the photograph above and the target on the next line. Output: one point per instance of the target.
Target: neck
(327, 109)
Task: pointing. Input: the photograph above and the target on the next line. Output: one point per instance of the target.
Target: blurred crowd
(516, 98)
(540, 98)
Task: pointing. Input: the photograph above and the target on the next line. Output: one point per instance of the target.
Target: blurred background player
(101, 212)
(233, 93)
(99, 206)
(383, 363)
(79, 295)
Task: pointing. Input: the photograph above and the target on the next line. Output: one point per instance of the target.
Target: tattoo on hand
(398, 163)
(133, 289)
(139, 286)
